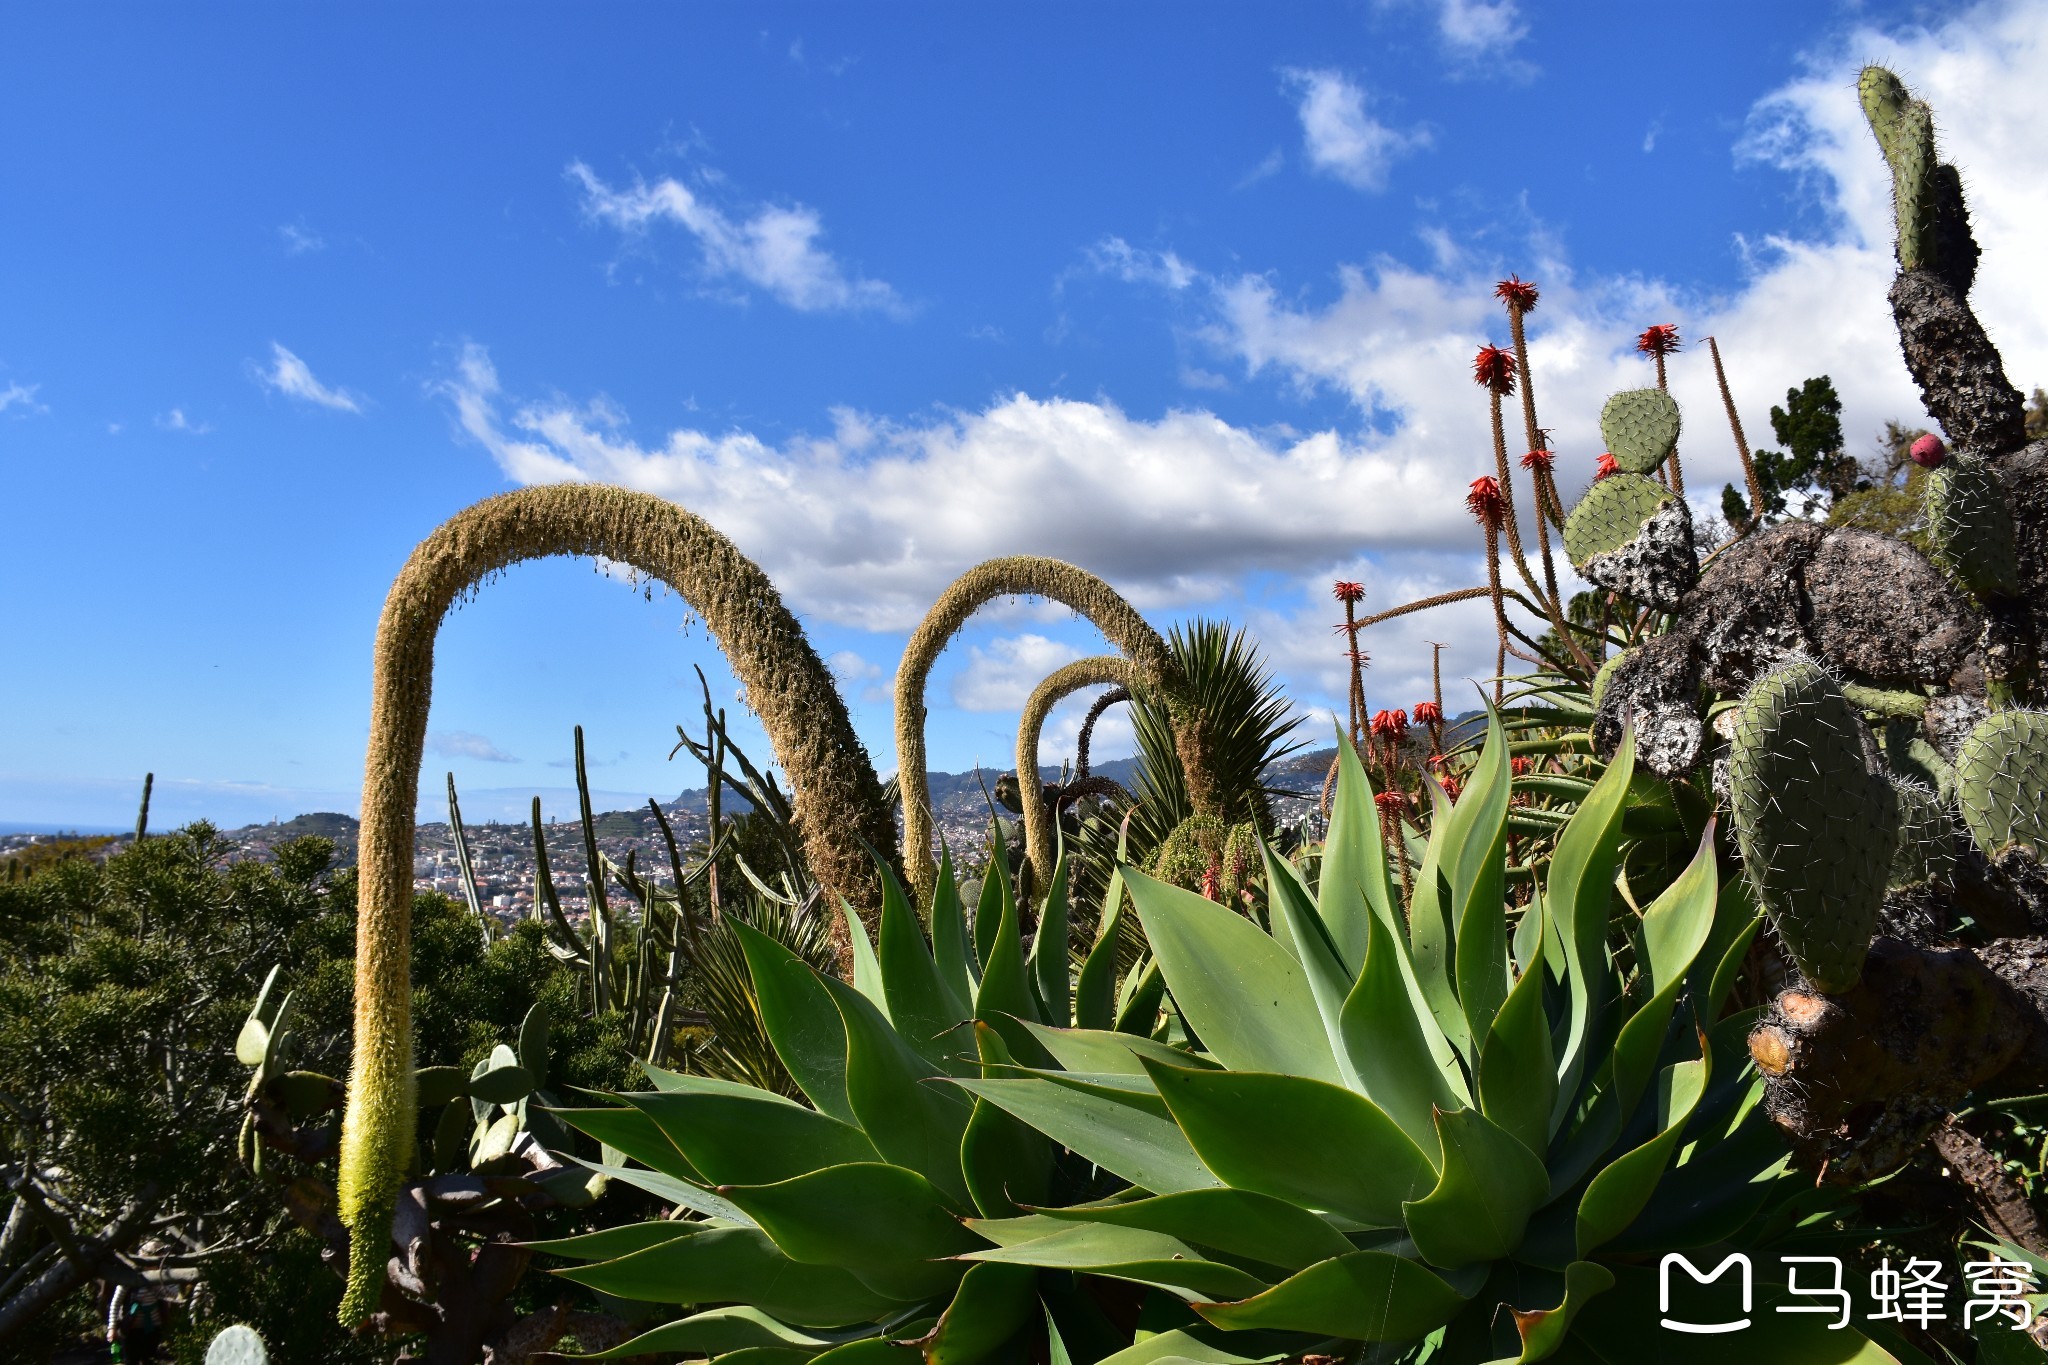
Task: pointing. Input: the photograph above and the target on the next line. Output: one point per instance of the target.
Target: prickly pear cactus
(1904, 128)
(1640, 427)
(2002, 782)
(1600, 679)
(1816, 828)
(237, 1345)
(1927, 838)
(1633, 536)
(1969, 528)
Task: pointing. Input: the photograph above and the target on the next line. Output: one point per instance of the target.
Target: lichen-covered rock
(1657, 568)
(1654, 687)
(1948, 720)
(1880, 609)
(1960, 373)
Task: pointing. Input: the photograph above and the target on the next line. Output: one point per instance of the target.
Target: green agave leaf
(921, 1002)
(1116, 1132)
(631, 1131)
(867, 968)
(608, 1244)
(1475, 858)
(1391, 1042)
(1047, 964)
(1620, 1192)
(737, 1265)
(1126, 1254)
(998, 898)
(1006, 1163)
(1235, 1222)
(1137, 1000)
(727, 1329)
(1006, 998)
(1241, 991)
(1178, 1345)
(992, 1304)
(534, 1031)
(667, 1187)
(954, 956)
(1480, 1207)
(1095, 994)
(1299, 926)
(741, 1140)
(1365, 1296)
(682, 1083)
(1517, 1069)
(1301, 1140)
(1577, 891)
(1008, 1232)
(873, 1351)
(1543, 1330)
(1711, 1195)
(1098, 1052)
(910, 1122)
(1432, 936)
(1737, 920)
(1674, 929)
(801, 1020)
(889, 1226)
(1354, 877)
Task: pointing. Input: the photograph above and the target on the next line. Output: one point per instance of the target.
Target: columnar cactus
(838, 799)
(1816, 828)
(2001, 776)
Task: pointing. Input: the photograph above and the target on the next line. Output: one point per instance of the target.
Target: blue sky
(1182, 293)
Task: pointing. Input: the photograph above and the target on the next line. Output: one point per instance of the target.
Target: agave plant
(1449, 1133)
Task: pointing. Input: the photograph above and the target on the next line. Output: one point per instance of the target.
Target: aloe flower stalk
(1494, 370)
(1485, 503)
(1351, 594)
(1756, 491)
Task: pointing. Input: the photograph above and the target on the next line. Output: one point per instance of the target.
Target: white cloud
(176, 420)
(868, 524)
(464, 744)
(1341, 139)
(1479, 28)
(1117, 258)
(300, 240)
(774, 248)
(22, 396)
(999, 676)
(290, 376)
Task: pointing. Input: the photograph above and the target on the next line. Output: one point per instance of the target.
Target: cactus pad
(1927, 837)
(2002, 782)
(1816, 828)
(237, 1345)
(1631, 535)
(1969, 528)
(1640, 427)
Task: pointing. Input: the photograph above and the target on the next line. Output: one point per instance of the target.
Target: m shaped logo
(1735, 1259)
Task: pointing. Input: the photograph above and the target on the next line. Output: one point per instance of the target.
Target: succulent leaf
(2002, 782)
(1365, 1296)
(1970, 529)
(1640, 427)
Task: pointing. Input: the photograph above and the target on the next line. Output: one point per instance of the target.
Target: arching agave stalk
(1034, 576)
(1061, 683)
(837, 796)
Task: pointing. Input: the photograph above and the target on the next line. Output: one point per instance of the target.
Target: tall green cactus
(2002, 782)
(1904, 128)
(1816, 828)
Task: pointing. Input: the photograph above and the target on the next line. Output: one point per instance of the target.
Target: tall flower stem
(1507, 498)
(1756, 491)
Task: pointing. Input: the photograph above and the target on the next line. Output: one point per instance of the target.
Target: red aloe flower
(1390, 724)
(1428, 713)
(1494, 369)
(1485, 503)
(1539, 461)
(1661, 339)
(1450, 786)
(1606, 465)
(1517, 293)
(1521, 767)
(1391, 803)
(1212, 882)
(1349, 592)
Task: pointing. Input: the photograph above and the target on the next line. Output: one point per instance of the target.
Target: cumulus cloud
(290, 376)
(867, 524)
(1117, 258)
(777, 249)
(999, 676)
(464, 744)
(1340, 137)
(21, 397)
(1479, 28)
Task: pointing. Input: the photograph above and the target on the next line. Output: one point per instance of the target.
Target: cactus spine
(1027, 575)
(2001, 778)
(837, 796)
(1816, 828)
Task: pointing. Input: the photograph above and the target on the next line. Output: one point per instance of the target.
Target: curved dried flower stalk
(1756, 491)
(1061, 683)
(837, 797)
(1113, 697)
(1032, 576)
